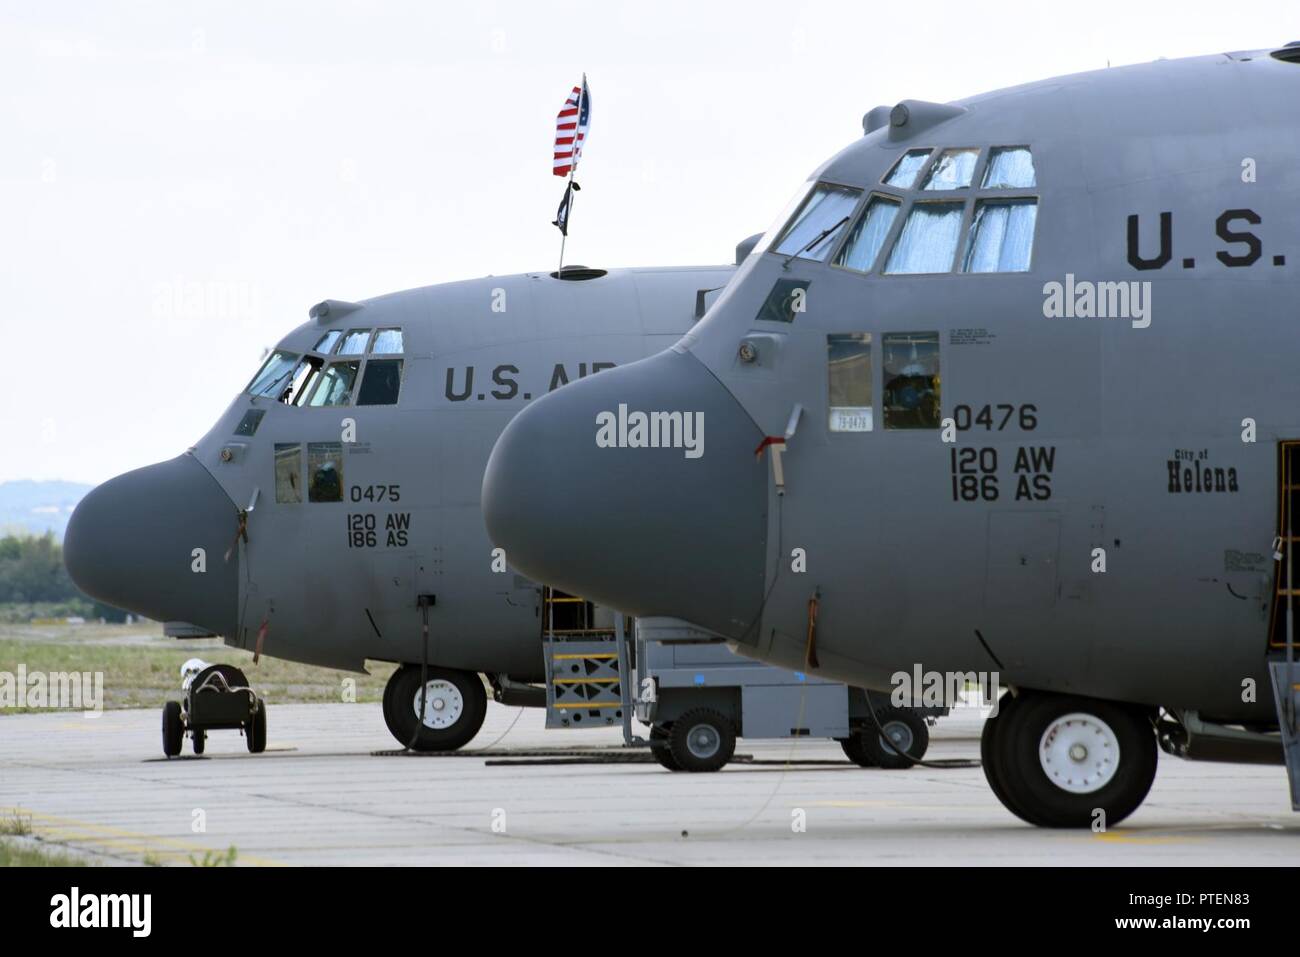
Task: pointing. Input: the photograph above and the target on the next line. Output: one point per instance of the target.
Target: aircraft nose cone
(131, 543)
(637, 488)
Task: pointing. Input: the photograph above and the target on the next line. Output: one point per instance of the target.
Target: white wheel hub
(446, 704)
(1079, 753)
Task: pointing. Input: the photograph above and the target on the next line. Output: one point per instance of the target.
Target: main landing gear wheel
(173, 730)
(992, 767)
(456, 708)
(905, 740)
(200, 740)
(1056, 760)
(660, 749)
(702, 740)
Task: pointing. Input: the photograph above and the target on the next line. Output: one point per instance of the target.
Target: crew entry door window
(910, 381)
(848, 367)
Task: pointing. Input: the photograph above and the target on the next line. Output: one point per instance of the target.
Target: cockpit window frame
(901, 202)
(293, 357)
(302, 391)
(796, 202)
(970, 197)
(837, 239)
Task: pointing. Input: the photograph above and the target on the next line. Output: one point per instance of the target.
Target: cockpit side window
(952, 170)
(813, 231)
(327, 341)
(997, 219)
(354, 343)
(928, 241)
(904, 173)
(381, 383)
(335, 385)
(302, 373)
(1001, 236)
(275, 372)
(1010, 167)
(388, 342)
(867, 236)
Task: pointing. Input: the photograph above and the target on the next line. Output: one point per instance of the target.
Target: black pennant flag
(561, 220)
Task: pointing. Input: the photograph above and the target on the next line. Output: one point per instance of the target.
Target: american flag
(571, 129)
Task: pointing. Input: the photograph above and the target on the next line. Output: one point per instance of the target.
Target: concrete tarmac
(319, 795)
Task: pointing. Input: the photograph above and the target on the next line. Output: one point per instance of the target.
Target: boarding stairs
(586, 663)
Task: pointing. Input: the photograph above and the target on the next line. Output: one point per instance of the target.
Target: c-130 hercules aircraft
(1015, 374)
(340, 491)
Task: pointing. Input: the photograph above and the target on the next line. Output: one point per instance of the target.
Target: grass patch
(14, 854)
(17, 824)
(224, 858)
(142, 668)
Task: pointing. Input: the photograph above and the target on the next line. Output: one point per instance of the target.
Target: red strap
(261, 637)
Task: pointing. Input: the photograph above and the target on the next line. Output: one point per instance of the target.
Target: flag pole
(568, 213)
(570, 192)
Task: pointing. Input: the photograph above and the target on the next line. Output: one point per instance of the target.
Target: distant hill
(37, 507)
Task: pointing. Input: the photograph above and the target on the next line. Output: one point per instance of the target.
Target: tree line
(32, 574)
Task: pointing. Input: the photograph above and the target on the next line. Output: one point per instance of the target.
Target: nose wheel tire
(455, 708)
(905, 740)
(1064, 761)
(702, 740)
(173, 731)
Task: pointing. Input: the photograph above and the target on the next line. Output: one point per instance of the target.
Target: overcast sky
(181, 181)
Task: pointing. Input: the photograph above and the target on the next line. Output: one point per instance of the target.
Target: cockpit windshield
(814, 230)
(966, 209)
(335, 386)
(274, 375)
(370, 375)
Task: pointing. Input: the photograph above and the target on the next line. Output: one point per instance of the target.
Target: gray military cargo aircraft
(1013, 375)
(336, 501)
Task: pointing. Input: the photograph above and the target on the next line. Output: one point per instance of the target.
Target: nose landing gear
(1063, 761)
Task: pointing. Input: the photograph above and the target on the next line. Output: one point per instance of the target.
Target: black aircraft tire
(856, 751)
(660, 749)
(664, 755)
(454, 689)
(991, 759)
(200, 740)
(389, 688)
(913, 729)
(702, 740)
(173, 731)
(1064, 778)
(255, 732)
